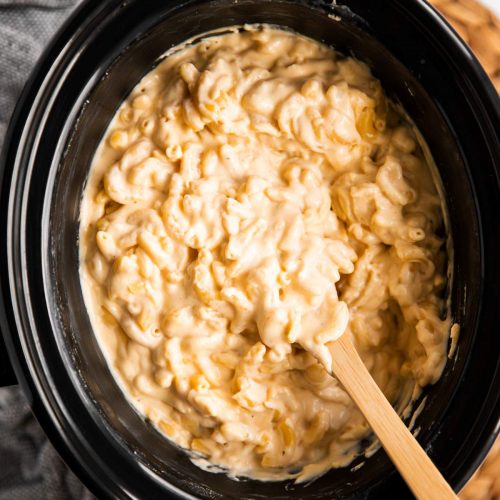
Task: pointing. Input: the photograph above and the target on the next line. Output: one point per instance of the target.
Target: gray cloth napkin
(25, 28)
(30, 468)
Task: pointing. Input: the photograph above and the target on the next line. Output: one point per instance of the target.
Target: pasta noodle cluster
(255, 198)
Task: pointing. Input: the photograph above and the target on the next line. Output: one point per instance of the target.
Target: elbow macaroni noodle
(256, 197)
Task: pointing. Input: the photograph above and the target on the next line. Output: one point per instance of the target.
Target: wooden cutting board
(479, 27)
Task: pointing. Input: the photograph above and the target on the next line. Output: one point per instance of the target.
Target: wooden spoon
(417, 469)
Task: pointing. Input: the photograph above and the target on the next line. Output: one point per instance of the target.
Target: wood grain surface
(479, 27)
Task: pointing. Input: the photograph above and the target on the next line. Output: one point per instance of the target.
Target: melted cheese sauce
(255, 197)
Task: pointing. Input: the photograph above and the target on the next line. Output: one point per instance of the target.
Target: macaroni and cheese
(256, 197)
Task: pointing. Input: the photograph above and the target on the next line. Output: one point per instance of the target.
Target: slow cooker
(93, 63)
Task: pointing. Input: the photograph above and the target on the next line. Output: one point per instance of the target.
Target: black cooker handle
(7, 376)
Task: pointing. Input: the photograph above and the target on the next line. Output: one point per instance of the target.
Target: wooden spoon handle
(417, 469)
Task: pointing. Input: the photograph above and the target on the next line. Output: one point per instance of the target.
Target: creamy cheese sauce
(256, 197)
